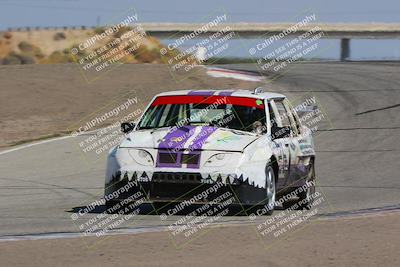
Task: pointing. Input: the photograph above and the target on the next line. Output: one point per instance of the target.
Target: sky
(48, 13)
(59, 13)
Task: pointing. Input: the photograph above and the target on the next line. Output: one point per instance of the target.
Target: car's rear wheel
(306, 197)
(270, 187)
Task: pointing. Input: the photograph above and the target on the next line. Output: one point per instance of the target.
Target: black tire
(306, 197)
(270, 188)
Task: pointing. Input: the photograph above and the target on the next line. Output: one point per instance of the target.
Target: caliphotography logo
(293, 43)
(192, 47)
(123, 42)
(99, 132)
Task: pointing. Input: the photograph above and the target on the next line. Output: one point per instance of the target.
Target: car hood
(190, 138)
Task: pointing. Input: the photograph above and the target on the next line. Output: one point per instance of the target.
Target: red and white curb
(234, 74)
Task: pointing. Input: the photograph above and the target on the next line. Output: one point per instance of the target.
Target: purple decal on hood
(197, 144)
(201, 138)
(169, 154)
(176, 138)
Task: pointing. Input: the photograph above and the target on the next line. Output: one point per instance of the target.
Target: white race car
(249, 142)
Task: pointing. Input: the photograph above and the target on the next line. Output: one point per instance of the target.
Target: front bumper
(183, 186)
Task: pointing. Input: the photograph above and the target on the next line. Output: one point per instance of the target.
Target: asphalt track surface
(357, 155)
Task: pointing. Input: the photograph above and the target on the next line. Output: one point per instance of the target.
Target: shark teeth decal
(209, 180)
(134, 176)
(214, 177)
(131, 176)
(204, 176)
(224, 178)
(150, 175)
(249, 178)
(146, 176)
(230, 179)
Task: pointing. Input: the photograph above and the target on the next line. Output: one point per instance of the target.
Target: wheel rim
(270, 185)
(311, 178)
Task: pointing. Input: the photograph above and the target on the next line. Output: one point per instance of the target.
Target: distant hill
(54, 46)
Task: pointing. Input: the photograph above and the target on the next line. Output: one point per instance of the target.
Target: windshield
(239, 113)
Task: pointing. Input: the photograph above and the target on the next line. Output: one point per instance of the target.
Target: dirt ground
(53, 99)
(341, 242)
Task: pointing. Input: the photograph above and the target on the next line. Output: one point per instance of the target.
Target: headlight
(217, 160)
(142, 157)
(220, 156)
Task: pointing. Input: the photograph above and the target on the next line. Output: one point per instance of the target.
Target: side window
(283, 118)
(297, 122)
(272, 118)
(293, 121)
(296, 119)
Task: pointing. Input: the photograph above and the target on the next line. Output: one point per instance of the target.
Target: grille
(169, 158)
(179, 158)
(190, 159)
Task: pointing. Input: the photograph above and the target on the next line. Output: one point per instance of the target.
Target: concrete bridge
(343, 31)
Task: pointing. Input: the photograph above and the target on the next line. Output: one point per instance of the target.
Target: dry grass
(54, 46)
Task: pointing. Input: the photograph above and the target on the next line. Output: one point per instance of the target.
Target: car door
(302, 144)
(295, 172)
(281, 144)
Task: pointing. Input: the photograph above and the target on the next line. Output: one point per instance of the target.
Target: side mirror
(127, 127)
(280, 132)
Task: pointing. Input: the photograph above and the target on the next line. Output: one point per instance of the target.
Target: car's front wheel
(270, 187)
